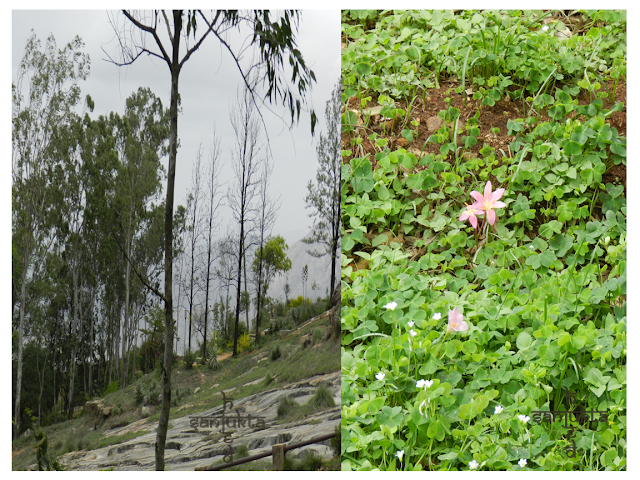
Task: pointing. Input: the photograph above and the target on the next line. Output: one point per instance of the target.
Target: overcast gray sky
(208, 86)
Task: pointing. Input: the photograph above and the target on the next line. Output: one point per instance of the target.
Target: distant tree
(242, 194)
(266, 215)
(194, 227)
(225, 273)
(269, 260)
(287, 291)
(210, 227)
(324, 195)
(305, 279)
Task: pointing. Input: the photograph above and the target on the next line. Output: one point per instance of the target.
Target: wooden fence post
(278, 456)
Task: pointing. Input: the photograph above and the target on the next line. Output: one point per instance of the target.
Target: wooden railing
(278, 452)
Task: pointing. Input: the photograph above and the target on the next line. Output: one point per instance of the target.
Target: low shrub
(244, 343)
(139, 393)
(275, 353)
(189, 358)
(112, 387)
(322, 397)
(286, 406)
(317, 336)
(241, 451)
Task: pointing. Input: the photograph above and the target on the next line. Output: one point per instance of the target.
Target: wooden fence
(278, 452)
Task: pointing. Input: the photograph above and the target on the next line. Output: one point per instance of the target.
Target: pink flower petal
(497, 194)
(478, 196)
(455, 316)
(499, 204)
(487, 191)
(474, 221)
(464, 216)
(491, 216)
(463, 327)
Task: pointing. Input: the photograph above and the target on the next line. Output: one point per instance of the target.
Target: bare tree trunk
(125, 328)
(74, 339)
(23, 298)
(41, 381)
(239, 284)
(259, 295)
(246, 290)
(91, 319)
(161, 435)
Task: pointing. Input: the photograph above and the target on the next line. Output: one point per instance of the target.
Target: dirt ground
(497, 116)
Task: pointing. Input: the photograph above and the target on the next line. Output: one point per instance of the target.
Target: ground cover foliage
(527, 109)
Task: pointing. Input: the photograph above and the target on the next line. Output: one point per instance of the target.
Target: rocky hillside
(189, 447)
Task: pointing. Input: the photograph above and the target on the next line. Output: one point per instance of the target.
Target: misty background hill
(319, 272)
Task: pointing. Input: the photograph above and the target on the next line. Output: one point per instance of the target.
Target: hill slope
(319, 272)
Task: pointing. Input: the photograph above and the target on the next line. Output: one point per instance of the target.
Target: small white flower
(411, 324)
(428, 383)
(523, 418)
(391, 306)
(545, 28)
(473, 465)
(420, 383)
(437, 316)
(531, 247)
(380, 376)
(522, 462)
(497, 410)
(400, 454)
(412, 333)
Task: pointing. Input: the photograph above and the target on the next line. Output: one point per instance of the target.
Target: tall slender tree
(324, 196)
(266, 215)
(242, 194)
(194, 231)
(142, 135)
(210, 228)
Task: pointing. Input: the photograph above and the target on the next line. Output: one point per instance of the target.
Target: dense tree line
(86, 211)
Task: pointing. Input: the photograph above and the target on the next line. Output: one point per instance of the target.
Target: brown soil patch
(17, 452)
(490, 117)
(223, 356)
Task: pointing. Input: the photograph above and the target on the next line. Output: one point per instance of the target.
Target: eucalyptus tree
(266, 215)
(69, 211)
(324, 195)
(100, 162)
(274, 40)
(225, 274)
(210, 218)
(141, 139)
(194, 228)
(179, 227)
(51, 82)
(270, 259)
(242, 193)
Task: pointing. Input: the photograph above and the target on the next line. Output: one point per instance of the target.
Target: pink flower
(489, 201)
(456, 323)
(470, 213)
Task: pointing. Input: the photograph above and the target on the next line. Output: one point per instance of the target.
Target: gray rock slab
(189, 447)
